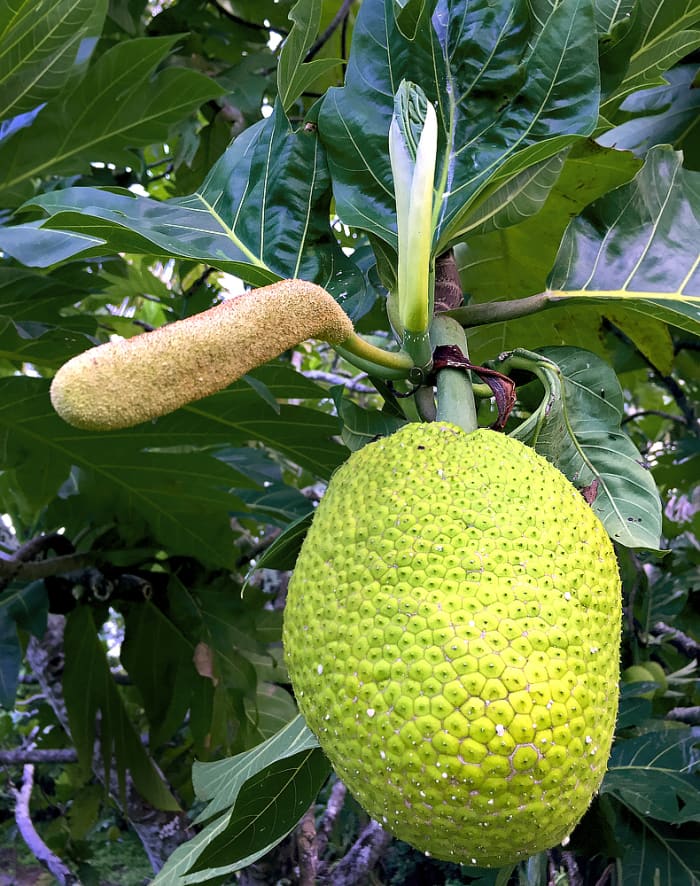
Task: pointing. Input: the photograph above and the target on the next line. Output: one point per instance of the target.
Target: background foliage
(155, 155)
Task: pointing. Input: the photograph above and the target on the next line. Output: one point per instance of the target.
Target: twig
(24, 562)
(11, 569)
(332, 378)
(330, 815)
(307, 849)
(353, 869)
(243, 22)
(20, 756)
(643, 412)
(573, 873)
(604, 878)
(670, 383)
(340, 16)
(691, 716)
(39, 849)
(682, 642)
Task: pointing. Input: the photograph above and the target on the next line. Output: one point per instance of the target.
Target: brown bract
(123, 383)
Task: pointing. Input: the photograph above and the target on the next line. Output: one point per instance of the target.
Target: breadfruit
(452, 633)
(123, 383)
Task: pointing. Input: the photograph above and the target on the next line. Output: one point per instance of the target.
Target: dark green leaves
(654, 779)
(512, 91)
(91, 694)
(22, 607)
(655, 774)
(151, 479)
(261, 213)
(119, 105)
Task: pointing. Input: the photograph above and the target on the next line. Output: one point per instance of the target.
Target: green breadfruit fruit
(452, 633)
(123, 383)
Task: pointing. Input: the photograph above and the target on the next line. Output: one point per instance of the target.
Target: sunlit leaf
(42, 45)
(268, 806)
(638, 248)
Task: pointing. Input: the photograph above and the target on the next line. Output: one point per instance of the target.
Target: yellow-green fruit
(123, 383)
(451, 633)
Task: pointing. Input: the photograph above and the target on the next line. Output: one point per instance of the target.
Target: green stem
(455, 397)
(374, 360)
(418, 345)
(500, 311)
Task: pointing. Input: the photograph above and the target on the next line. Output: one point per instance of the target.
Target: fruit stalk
(455, 396)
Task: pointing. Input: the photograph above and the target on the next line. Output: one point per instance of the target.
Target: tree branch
(340, 16)
(24, 563)
(668, 381)
(12, 569)
(25, 825)
(20, 756)
(691, 716)
(243, 22)
(354, 868)
(307, 849)
(350, 383)
(643, 412)
(334, 807)
(682, 642)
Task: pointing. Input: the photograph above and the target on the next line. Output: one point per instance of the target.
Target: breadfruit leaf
(662, 32)
(91, 695)
(41, 47)
(156, 654)
(268, 807)
(512, 90)
(293, 749)
(361, 426)
(220, 783)
(261, 213)
(282, 553)
(577, 428)
(638, 248)
(656, 775)
(119, 104)
(148, 478)
(294, 75)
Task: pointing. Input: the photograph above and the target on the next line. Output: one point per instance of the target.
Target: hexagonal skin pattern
(452, 634)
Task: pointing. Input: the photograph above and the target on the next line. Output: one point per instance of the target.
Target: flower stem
(374, 360)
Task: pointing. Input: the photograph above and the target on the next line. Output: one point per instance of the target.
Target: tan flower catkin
(123, 383)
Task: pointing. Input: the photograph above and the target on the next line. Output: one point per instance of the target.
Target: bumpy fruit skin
(452, 633)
